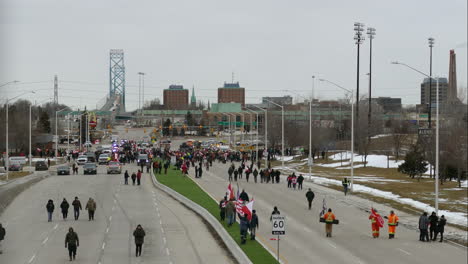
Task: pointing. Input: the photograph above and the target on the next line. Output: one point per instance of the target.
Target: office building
(388, 104)
(231, 93)
(443, 92)
(176, 97)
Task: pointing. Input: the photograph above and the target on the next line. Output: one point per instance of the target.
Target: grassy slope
(185, 186)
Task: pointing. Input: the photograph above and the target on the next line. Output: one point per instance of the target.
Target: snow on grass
(464, 184)
(378, 161)
(286, 158)
(453, 217)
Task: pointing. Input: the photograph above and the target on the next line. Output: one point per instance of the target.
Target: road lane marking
(162, 230)
(332, 245)
(107, 230)
(164, 239)
(167, 251)
(113, 208)
(32, 258)
(110, 218)
(45, 240)
(55, 227)
(404, 251)
(160, 222)
(103, 245)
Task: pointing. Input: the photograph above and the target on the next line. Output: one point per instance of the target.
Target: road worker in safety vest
(329, 218)
(392, 224)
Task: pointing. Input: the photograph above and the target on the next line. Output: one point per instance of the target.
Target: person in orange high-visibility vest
(329, 218)
(375, 225)
(392, 224)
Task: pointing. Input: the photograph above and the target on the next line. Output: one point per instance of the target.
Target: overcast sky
(270, 45)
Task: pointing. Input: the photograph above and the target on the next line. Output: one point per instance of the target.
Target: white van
(18, 159)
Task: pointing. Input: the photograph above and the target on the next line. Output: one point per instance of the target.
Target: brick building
(231, 93)
(176, 97)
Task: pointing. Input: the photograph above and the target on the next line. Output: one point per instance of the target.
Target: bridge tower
(117, 76)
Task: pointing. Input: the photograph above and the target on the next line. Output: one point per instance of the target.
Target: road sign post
(278, 228)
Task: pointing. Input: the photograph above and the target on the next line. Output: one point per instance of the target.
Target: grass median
(185, 186)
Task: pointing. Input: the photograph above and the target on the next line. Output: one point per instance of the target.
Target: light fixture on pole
(436, 202)
(429, 115)
(352, 128)
(282, 130)
(371, 36)
(359, 38)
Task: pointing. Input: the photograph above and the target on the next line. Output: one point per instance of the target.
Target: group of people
(435, 225)
(293, 180)
(64, 206)
(136, 177)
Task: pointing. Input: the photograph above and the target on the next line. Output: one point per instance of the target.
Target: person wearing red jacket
(374, 223)
(139, 177)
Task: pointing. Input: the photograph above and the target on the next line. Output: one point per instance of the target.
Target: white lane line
(404, 251)
(160, 222)
(332, 245)
(164, 239)
(45, 240)
(55, 227)
(113, 208)
(32, 258)
(107, 230)
(162, 230)
(110, 218)
(167, 251)
(115, 201)
(103, 245)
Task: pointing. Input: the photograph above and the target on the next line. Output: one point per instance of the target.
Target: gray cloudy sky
(271, 45)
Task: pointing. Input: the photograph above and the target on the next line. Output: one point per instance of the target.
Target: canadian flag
(230, 193)
(247, 209)
(377, 217)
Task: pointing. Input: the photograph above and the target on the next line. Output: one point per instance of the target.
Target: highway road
(174, 234)
(305, 240)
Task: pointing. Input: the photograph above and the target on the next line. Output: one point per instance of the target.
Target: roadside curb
(231, 245)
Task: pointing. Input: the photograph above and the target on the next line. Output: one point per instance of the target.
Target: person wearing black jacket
(64, 206)
(50, 210)
(255, 174)
(253, 225)
(310, 197)
(275, 212)
(440, 228)
(244, 196)
(2, 237)
(72, 242)
(300, 179)
(433, 219)
(76, 208)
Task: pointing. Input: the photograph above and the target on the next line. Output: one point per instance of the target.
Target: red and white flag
(239, 205)
(377, 217)
(230, 193)
(247, 209)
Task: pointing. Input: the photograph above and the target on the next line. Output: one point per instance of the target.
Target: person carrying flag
(376, 222)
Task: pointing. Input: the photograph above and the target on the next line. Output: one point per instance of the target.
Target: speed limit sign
(279, 224)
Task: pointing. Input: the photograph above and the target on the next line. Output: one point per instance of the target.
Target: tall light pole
(56, 131)
(352, 128)
(265, 125)
(429, 115)
(7, 161)
(282, 130)
(359, 38)
(371, 36)
(436, 202)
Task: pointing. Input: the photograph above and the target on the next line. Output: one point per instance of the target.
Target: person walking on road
(329, 218)
(440, 228)
(244, 226)
(255, 174)
(50, 210)
(138, 177)
(275, 212)
(76, 208)
(423, 226)
(64, 206)
(133, 178)
(72, 242)
(126, 176)
(392, 224)
(345, 184)
(310, 197)
(374, 217)
(230, 172)
(91, 207)
(139, 235)
(300, 179)
(433, 220)
(253, 225)
(2, 237)
(230, 212)
(236, 172)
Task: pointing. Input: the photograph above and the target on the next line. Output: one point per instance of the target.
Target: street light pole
(282, 130)
(429, 117)
(352, 128)
(436, 187)
(371, 36)
(256, 143)
(359, 38)
(265, 128)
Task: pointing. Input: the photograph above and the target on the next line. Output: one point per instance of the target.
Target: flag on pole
(230, 193)
(239, 205)
(377, 217)
(247, 209)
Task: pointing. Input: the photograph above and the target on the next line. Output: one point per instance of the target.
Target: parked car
(91, 156)
(142, 159)
(15, 166)
(63, 170)
(114, 167)
(103, 159)
(82, 160)
(41, 165)
(90, 168)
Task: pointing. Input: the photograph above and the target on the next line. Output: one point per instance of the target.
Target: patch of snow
(286, 158)
(464, 184)
(380, 136)
(378, 161)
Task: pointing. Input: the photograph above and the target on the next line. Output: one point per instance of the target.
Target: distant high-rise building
(231, 93)
(443, 92)
(281, 100)
(176, 97)
(452, 83)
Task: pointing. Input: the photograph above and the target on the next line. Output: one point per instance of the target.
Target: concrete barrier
(231, 245)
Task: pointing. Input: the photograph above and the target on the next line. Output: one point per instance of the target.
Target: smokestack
(452, 85)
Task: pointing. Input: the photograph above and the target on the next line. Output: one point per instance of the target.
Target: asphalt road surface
(305, 240)
(174, 234)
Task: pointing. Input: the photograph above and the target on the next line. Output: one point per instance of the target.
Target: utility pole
(55, 91)
(359, 38)
(429, 116)
(370, 34)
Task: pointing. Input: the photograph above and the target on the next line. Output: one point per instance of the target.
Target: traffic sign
(279, 225)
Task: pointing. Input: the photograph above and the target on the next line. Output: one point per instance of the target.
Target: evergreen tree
(414, 163)
(44, 122)
(166, 126)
